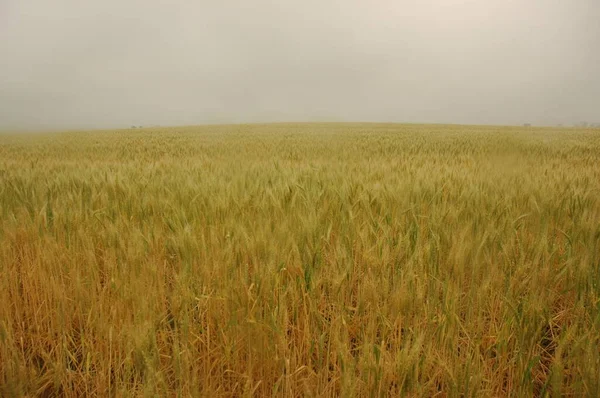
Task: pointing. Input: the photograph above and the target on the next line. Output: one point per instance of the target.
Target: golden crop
(301, 260)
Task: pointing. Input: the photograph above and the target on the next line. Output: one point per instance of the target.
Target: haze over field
(73, 64)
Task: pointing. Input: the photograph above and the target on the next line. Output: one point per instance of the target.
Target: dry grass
(301, 260)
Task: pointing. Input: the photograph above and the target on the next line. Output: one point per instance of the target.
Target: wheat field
(291, 260)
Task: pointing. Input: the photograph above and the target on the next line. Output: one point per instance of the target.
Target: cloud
(119, 62)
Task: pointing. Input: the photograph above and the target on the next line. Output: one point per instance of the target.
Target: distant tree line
(586, 124)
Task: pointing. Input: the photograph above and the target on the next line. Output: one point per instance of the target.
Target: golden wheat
(301, 260)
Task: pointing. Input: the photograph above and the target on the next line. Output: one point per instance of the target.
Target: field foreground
(301, 260)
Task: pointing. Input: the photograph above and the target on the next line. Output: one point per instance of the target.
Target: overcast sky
(111, 63)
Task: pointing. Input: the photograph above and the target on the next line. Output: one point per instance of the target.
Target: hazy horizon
(70, 64)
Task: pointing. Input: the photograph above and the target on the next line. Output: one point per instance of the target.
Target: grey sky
(110, 63)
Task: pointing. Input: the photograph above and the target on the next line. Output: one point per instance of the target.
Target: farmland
(301, 260)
